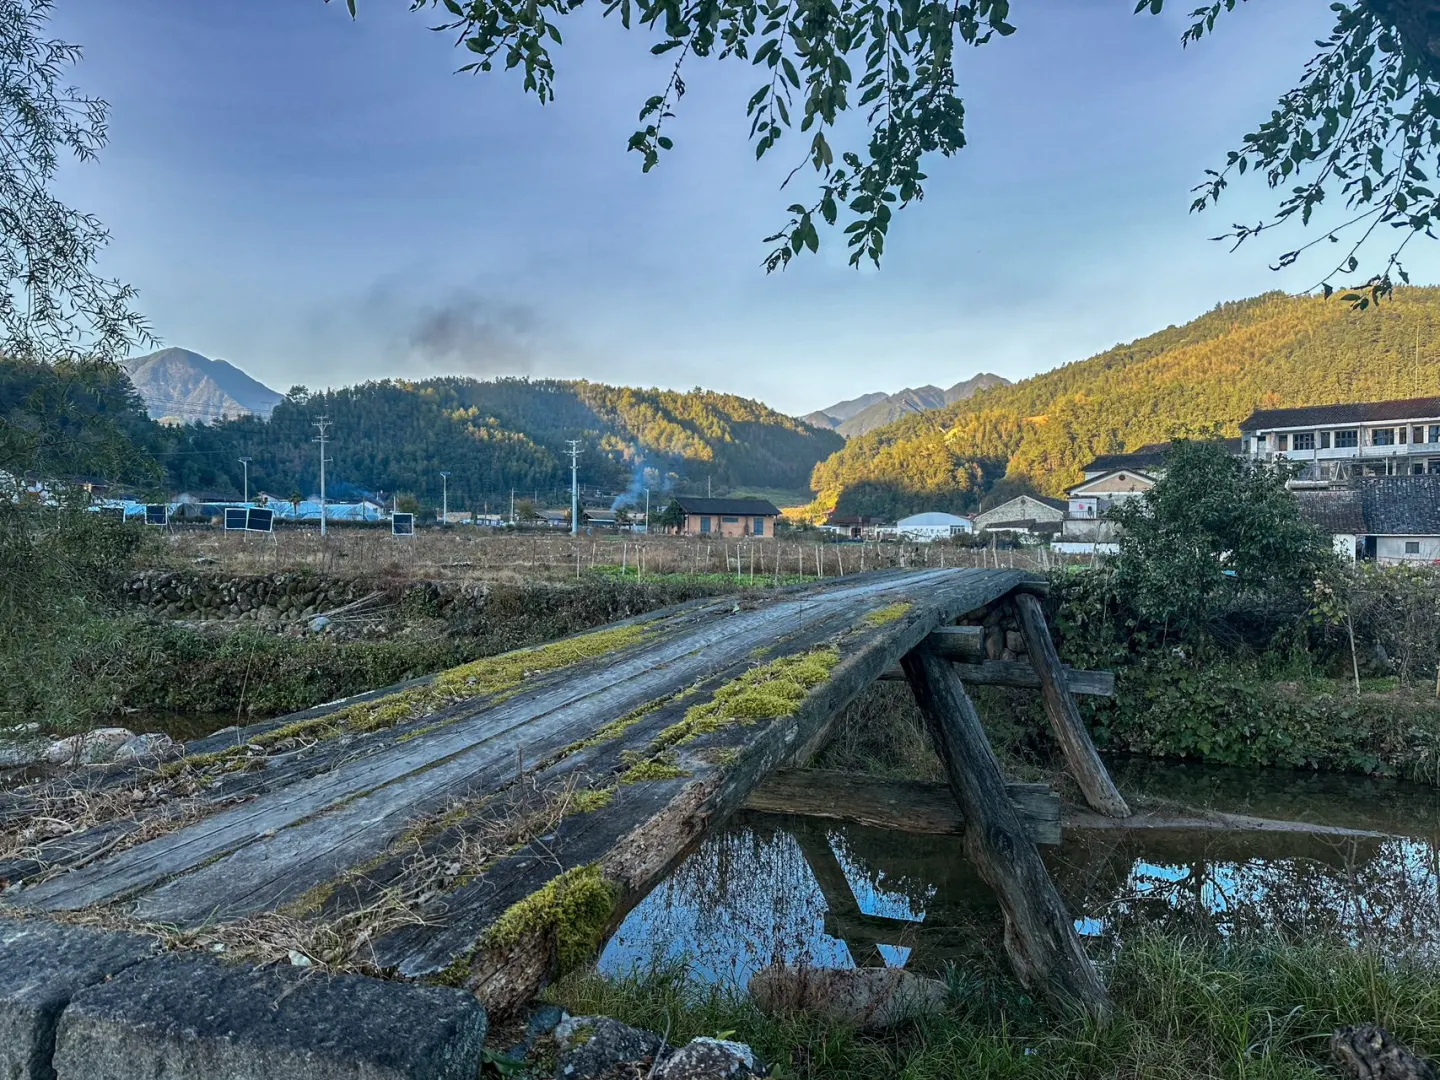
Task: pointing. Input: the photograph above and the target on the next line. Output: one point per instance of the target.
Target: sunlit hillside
(1272, 350)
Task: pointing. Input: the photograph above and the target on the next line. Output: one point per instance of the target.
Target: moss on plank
(763, 693)
(584, 802)
(571, 912)
(885, 615)
(661, 767)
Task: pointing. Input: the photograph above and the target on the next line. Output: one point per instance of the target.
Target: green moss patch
(762, 693)
(661, 767)
(571, 911)
(884, 615)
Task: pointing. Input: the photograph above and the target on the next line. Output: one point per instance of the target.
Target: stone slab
(189, 1017)
(43, 966)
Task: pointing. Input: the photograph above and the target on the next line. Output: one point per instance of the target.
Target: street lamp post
(444, 498)
(245, 462)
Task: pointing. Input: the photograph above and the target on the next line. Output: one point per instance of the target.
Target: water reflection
(779, 888)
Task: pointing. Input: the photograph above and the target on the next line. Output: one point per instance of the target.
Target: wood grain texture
(1085, 764)
(905, 805)
(1040, 936)
(1021, 675)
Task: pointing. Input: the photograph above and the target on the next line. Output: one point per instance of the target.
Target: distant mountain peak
(180, 386)
(870, 411)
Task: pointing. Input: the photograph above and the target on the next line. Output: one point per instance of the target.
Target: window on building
(1304, 440)
(1435, 465)
(1435, 433)
(1412, 547)
(1347, 439)
(1245, 445)
(1418, 435)
(730, 520)
(1282, 442)
(1383, 436)
(1417, 468)
(1260, 444)
(1401, 434)
(1324, 440)
(704, 524)
(759, 527)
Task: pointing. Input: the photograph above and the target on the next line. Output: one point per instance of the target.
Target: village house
(853, 527)
(1024, 515)
(1336, 442)
(1387, 519)
(727, 517)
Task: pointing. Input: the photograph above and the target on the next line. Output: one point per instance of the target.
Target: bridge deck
(485, 825)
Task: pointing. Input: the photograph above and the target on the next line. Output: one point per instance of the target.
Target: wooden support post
(1040, 937)
(1085, 764)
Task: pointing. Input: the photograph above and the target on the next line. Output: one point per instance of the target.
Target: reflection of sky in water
(748, 896)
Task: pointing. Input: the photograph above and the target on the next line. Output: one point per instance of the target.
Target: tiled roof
(1147, 456)
(1402, 505)
(1376, 506)
(1364, 412)
(1334, 510)
(734, 507)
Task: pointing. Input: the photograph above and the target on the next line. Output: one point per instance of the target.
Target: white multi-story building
(1375, 438)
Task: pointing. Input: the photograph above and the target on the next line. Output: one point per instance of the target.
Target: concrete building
(1375, 438)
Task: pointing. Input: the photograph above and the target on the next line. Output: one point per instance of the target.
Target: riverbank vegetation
(1185, 1009)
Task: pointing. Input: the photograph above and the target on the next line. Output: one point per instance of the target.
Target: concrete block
(42, 966)
(189, 1017)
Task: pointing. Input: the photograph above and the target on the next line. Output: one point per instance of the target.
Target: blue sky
(324, 201)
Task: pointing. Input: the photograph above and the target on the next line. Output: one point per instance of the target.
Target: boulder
(186, 1017)
(709, 1059)
(22, 746)
(151, 746)
(91, 748)
(592, 1046)
(867, 998)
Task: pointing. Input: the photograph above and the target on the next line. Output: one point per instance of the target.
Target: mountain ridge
(870, 411)
(179, 386)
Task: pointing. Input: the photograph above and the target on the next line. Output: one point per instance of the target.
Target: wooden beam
(963, 643)
(1085, 764)
(913, 806)
(1021, 675)
(1040, 936)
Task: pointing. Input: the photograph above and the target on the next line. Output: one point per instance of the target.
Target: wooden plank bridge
(495, 822)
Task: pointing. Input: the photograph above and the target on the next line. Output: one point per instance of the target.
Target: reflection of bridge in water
(1382, 890)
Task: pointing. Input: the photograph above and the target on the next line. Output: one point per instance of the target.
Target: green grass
(1183, 1011)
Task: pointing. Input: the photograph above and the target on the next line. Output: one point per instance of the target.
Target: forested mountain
(179, 386)
(394, 436)
(866, 413)
(1270, 351)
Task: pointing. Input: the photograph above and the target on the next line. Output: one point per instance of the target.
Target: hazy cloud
(471, 334)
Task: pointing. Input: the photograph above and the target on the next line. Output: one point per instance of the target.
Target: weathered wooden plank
(1040, 937)
(906, 805)
(1019, 674)
(1085, 764)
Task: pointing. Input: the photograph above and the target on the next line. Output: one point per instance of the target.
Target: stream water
(771, 887)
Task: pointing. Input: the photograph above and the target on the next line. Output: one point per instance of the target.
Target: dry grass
(465, 553)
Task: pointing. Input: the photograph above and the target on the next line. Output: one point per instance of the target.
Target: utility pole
(323, 426)
(512, 506)
(574, 453)
(707, 487)
(445, 498)
(647, 511)
(245, 461)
